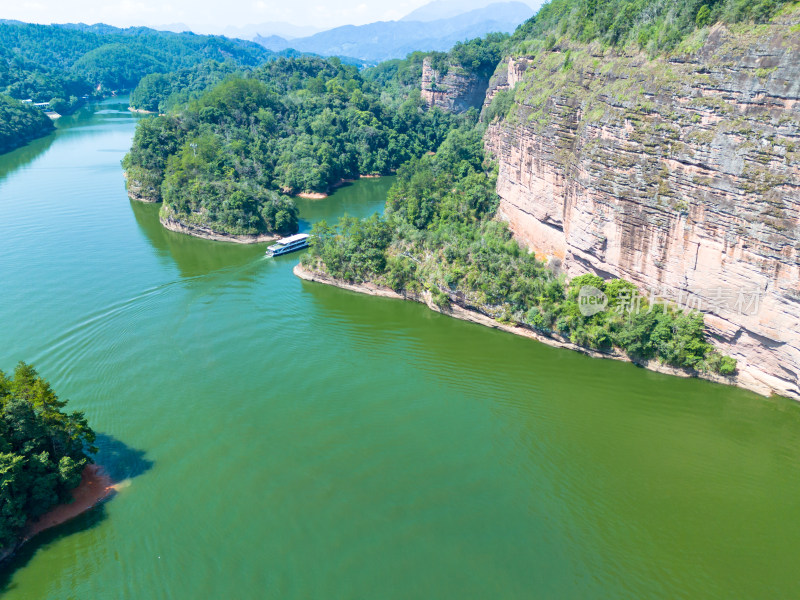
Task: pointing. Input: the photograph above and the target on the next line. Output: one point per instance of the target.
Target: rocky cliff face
(455, 91)
(681, 174)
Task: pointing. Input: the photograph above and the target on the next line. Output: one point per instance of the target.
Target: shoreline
(95, 487)
(142, 111)
(132, 195)
(133, 191)
(25, 140)
(465, 313)
(198, 231)
(333, 186)
(216, 236)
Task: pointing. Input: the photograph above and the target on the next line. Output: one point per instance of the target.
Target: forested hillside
(160, 92)
(43, 450)
(303, 125)
(20, 123)
(62, 63)
(653, 25)
(290, 126)
(440, 236)
(476, 58)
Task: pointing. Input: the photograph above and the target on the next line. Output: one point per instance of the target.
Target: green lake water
(282, 439)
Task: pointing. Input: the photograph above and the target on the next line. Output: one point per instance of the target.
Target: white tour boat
(289, 244)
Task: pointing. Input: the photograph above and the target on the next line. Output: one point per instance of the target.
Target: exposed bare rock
(142, 185)
(454, 91)
(680, 173)
(172, 223)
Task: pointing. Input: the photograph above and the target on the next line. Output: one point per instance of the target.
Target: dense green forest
(161, 92)
(20, 123)
(62, 63)
(222, 160)
(66, 64)
(653, 25)
(439, 235)
(292, 125)
(43, 450)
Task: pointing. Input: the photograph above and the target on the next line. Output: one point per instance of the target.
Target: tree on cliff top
(657, 25)
(43, 450)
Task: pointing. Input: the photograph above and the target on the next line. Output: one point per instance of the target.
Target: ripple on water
(285, 439)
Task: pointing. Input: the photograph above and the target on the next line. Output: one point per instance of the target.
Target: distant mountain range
(444, 9)
(246, 32)
(385, 40)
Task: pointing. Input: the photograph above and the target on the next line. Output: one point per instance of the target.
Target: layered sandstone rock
(680, 173)
(454, 91)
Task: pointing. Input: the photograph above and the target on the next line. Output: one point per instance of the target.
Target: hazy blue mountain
(173, 27)
(273, 42)
(285, 30)
(385, 40)
(444, 9)
(245, 32)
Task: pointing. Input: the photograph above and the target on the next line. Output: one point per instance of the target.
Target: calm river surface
(281, 439)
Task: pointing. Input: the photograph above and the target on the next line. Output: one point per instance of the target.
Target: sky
(214, 13)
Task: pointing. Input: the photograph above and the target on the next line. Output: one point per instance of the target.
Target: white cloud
(319, 13)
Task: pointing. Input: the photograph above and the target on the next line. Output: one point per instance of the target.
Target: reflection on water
(357, 199)
(88, 521)
(293, 440)
(18, 158)
(193, 256)
(122, 463)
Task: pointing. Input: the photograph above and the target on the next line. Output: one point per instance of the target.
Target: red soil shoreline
(333, 186)
(94, 487)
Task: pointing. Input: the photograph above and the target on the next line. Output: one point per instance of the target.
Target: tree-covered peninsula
(227, 160)
(43, 451)
(303, 125)
(20, 123)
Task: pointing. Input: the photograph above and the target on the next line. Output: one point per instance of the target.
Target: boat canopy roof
(292, 239)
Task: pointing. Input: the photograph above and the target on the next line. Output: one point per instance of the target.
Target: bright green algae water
(282, 439)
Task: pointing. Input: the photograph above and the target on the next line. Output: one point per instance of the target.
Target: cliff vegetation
(439, 235)
(662, 148)
(653, 25)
